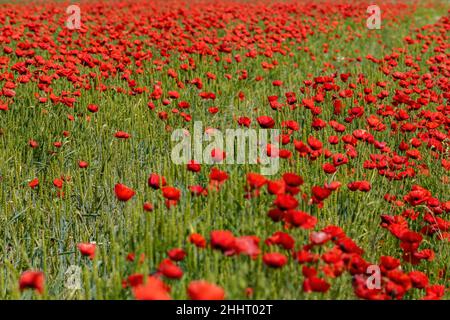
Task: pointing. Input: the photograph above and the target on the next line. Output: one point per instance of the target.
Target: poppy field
(93, 204)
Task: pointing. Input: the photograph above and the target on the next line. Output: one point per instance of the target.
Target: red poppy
(121, 135)
(171, 193)
(315, 284)
(33, 183)
(292, 179)
(123, 193)
(87, 249)
(177, 254)
(83, 164)
(222, 239)
(153, 289)
(266, 122)
(92, 108)
(275, 259)
(281, 238)
(256, 181)
(170, 270)
(285, 202)
(33, 280)
(148, 207)
(198, 240)
(194, 166)
(155, 181)
(203, 290)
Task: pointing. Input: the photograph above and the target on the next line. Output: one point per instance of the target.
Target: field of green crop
(74, 231)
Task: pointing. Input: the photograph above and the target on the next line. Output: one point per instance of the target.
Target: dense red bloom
(177, 254)
(155, 181)
(222, 239)
(170, 270)
(419, 279)
(292, 179)
(87, 249)
(244, 121)
(276, 187)
(33, 144)
(203, 290)
(300, 219)
(434, 292)
(281, 238)
(418, 195)
(275, 259)
(314, 143)
(197, 240)
(58, 183)
(315, 284)
(93, 108)
(194, 166)
(33, 183)
(247, 245)
(255, 180)
(83, 164)
(359, 185)
(266, 122)
(148, 206)
(171, 193)
(121, 135)
(33, 280)
(123, 193)
(152, 289)
(285, 202)
(319, 194)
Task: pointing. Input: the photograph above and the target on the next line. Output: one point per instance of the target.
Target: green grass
(40, 231)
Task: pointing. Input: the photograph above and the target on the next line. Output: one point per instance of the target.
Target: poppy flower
(83, 164)
(121, 135)
(87, 249)
(155, 181)
(203, 290)
(329, 168)
(285, 202)
(434, 292)
(419, 279)
(255, 181)
(58, 183)
(33, 144)
(123, 193)
(198, 190)
(33, 183)
(314, 143)
(222, 239)
(281, 238)
(170, 270)
(266, 122)
(247, 245)
(148, 207)
(176, 254)
(193, 166)
(300, 219)
(244, 121)
(198, 240)
(315, 284)
(276, 187)
(134, 280)
(93, 108)
(32, 280)
(171, 193)
(275, 259)
(363, 186)
(292, 179)
(153, 289)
